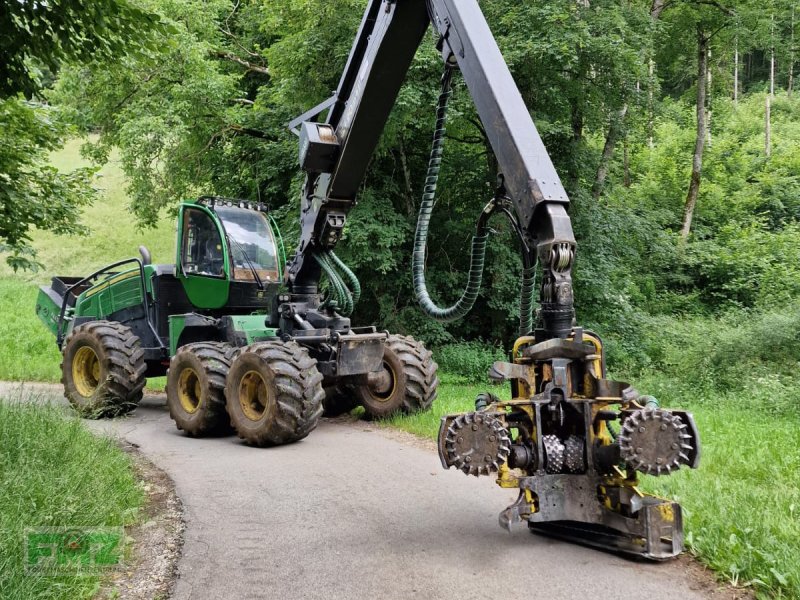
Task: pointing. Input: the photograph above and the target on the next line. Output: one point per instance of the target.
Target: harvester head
(573, 443)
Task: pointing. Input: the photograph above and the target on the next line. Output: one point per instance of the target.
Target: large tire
(274, 393)
(103, 369)
(196, 387)
(339, 399)
(407, 383)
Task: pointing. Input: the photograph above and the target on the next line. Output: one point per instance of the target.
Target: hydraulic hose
(526, 300)
(478, 254)
(352, 280)
(339, 292)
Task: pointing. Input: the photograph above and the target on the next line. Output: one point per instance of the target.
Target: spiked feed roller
(573, 443)
(477, 443)
(655, 442)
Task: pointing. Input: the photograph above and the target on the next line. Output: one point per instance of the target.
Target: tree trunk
(709, 112)
(614, 128)
(700, 137)
(736, 72)
(791, 58)
(772, 60)
(767, 129)
(656, 7)
(650, 108)
(409, 189)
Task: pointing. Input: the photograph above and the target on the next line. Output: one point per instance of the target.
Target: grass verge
(54, 473)
(29, 352)
(741, 507)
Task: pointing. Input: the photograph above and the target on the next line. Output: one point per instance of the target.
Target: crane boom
(335, 154)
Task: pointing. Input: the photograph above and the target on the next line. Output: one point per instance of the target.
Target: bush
(470, 360)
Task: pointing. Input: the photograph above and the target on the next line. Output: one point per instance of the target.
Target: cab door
(202, 262)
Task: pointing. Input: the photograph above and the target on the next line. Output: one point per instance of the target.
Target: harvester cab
(227, 252)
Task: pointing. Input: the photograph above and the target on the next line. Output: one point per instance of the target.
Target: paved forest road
(352, 513)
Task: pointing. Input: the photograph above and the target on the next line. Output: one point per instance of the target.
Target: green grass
(742, 506)
(54, 473)
(28, 351)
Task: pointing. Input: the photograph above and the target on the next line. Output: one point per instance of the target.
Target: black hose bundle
(341, 297)
(467, 300)
(479, 241)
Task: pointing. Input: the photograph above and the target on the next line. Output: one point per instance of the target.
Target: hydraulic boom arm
(335, 154)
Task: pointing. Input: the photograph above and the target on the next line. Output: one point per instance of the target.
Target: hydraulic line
(477, 259)
(339, 292)
(351, 278)
(526, 300)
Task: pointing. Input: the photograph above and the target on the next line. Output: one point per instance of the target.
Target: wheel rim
(254, 395)
(190, 392)
(382, 385)
(86, 371)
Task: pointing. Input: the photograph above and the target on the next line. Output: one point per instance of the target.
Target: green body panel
(204, 291)
(253, 326)
(48, 310)
(110, 295)
(176, 325)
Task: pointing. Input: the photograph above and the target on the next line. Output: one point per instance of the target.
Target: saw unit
(574, 443)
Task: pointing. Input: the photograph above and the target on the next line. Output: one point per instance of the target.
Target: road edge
(155, 542)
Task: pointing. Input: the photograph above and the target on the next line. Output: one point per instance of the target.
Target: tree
(39, 34)
(38, 37)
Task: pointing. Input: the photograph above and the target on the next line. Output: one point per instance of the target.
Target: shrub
(470, 360)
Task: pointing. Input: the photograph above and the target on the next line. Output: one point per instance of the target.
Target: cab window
(254, 254)
(202, 245)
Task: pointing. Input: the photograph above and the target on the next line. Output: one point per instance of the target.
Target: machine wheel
(339, 399)
(407, 382)
(274, 393)
(103, 369)
(196, 386)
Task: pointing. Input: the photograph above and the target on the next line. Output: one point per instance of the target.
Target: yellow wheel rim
(254, 395)
(86, 371)
(379, 390)
(190, 393)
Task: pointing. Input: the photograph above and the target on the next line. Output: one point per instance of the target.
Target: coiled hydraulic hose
(526, 300)
(477, 259)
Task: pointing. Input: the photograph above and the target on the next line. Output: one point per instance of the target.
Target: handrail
(106, 269)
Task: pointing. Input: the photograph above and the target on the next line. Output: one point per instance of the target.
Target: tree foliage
(44, 34)
(38, 37)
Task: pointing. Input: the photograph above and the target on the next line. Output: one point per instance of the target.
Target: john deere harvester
(233, 346)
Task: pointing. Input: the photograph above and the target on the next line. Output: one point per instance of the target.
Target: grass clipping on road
(741, 507)
(55, 473)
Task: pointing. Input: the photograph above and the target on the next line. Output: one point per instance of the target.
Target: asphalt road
(355, 513)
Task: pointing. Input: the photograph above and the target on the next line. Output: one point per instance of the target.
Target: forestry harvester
(572, 441)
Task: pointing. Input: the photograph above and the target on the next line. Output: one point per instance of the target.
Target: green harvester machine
(219, 324)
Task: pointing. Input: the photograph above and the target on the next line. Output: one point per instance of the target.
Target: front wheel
(196, 387)
(407, 382)
(274, 393)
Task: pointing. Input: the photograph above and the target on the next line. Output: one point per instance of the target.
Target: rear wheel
(406, 383)
(274, 393)
(103, 369)
(339, 399)
(196, 387)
